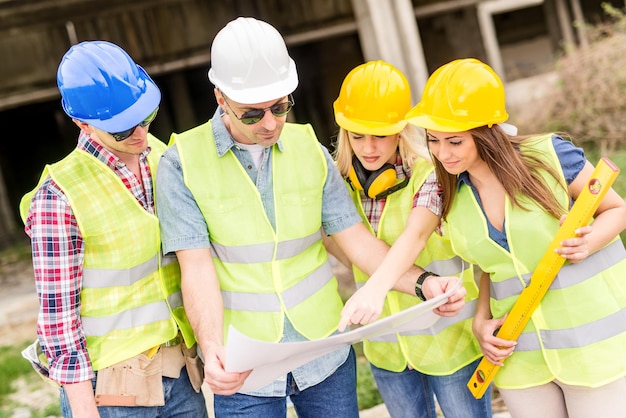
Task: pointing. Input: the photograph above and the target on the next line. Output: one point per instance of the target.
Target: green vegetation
(588, 101)
(14, 253)
(12, 366)
(366, 390)
(17, 373)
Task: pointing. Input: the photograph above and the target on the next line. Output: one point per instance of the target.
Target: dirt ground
(18, 301)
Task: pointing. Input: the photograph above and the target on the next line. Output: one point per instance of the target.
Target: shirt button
(249, 167)
(119, 164)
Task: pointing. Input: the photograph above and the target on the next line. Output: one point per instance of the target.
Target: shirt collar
(223, 140)
(463, 178)
(85, 143)
(401, 173)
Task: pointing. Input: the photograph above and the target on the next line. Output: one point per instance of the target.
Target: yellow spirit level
(583, 209)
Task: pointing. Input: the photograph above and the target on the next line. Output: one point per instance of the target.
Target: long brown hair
(519, 173)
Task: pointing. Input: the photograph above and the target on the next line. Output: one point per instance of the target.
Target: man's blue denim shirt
(183, 227)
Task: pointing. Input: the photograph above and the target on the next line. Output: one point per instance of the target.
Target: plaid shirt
(58, 251)
(428, 196)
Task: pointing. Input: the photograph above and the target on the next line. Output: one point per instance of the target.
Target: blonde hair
(411, 146)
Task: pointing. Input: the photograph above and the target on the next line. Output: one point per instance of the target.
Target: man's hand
(434, 286)
(219, 380)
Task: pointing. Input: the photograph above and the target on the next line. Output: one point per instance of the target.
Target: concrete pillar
(415, 61)
(388, 31)
(180, 107)
(565, 23)
(485, 11)
(579, 20)
(8, 228)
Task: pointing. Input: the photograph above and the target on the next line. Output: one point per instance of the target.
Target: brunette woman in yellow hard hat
(504, 199)
(393, 185)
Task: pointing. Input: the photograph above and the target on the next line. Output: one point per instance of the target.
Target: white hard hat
(250, 63)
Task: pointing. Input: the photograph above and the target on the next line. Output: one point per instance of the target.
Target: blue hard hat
(101, 85)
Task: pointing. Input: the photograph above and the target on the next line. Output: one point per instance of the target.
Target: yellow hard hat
(459, 96)
(373, 100)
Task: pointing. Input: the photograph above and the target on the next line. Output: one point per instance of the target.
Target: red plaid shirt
(428, 196)
(57, 249)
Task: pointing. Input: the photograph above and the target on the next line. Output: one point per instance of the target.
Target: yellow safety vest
(264, 273)
(578, 333)
(130, 298)
(449, 344)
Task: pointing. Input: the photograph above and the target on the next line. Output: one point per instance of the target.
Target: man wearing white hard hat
(244, 200)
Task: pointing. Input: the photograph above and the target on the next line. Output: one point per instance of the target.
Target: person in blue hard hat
(111, 326)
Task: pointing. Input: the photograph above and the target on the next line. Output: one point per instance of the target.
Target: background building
(171, 39)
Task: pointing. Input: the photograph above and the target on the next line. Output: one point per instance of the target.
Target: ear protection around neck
(375, 184)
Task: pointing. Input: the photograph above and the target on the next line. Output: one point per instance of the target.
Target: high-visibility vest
(578, 333)
(449, 344)
(264, 273)
(130, 297)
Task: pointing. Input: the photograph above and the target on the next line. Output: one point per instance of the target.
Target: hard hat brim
(369, 127)
(435, 124)
(259, 94)
(445, 125)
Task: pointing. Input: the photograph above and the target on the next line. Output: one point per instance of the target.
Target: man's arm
(57, 251)
(81, 399)
(205, 309)
(185, 232)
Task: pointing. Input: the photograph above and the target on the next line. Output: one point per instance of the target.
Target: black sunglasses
(253, 116)
(120, 136)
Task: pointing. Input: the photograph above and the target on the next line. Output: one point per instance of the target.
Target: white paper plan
(269, 361)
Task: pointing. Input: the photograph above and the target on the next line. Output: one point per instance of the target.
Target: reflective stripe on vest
(264, 252)
(270, 302)
(569, 275)
(580, 336)
(103, 278)
(142, 315)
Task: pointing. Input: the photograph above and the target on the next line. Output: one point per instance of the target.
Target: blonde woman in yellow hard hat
(392, 182)
(504, 198)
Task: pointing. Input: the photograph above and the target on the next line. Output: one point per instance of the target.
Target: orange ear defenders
(376, 184)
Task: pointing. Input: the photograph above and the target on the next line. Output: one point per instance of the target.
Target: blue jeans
(180, 401)
(411, 394)
(333, 397)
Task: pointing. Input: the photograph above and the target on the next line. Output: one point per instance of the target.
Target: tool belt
(138, 381)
